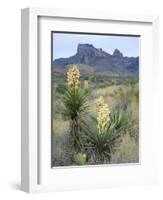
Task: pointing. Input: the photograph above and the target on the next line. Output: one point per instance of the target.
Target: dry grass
(110, 94)
(60, 126)
(128, 151)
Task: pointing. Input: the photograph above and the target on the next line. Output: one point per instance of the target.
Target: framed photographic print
(88, 115)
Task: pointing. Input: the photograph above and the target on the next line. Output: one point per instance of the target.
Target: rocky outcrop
(101, 60)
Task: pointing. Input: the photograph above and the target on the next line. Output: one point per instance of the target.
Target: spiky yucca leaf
(75, 101)
(120, 117)
(102, 143)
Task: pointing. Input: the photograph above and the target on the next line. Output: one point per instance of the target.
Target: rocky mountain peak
(84, 48)
(88, 51)
(117, 53)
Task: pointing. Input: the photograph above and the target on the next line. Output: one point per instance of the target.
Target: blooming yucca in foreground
(73, 76)
(103, 115)
(102, 134)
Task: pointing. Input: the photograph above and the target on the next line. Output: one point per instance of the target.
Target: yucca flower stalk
(103, 118)
(73, 75)
(100, 102)
(75, 100)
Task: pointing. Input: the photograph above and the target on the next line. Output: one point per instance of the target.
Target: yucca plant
(75, 101)
(104, 132)
(102, 144)
(101, 134)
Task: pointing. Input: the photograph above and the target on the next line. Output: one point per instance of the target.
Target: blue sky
(65, 44)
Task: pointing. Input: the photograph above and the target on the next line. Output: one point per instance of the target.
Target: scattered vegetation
(95, 117)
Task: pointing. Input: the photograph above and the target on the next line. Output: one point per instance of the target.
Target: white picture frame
(36, 171)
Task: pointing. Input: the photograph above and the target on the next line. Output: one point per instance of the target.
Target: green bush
(80, 158)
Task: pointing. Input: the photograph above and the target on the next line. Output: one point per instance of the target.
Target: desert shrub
(92, 79)
(123, 96)
(58, 106)
(124, 120)
(127, 152)
(61, 88)
(80, 158)
(93, 94)
(60, 127)
(112, 95)
(120, 117)
(62, 154)
(135, 93)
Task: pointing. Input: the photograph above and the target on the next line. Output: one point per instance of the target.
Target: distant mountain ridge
(100, 60)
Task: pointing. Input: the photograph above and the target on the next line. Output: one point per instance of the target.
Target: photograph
(94, 99)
